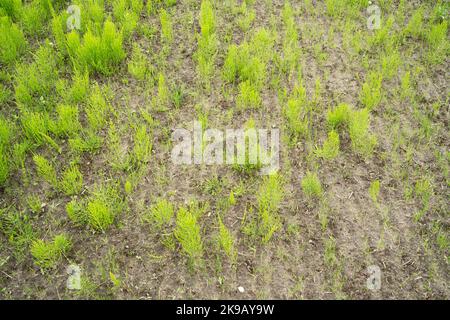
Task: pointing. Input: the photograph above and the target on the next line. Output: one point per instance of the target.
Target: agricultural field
(94, 203)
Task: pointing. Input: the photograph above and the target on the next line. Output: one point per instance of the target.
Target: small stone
(241, 289)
